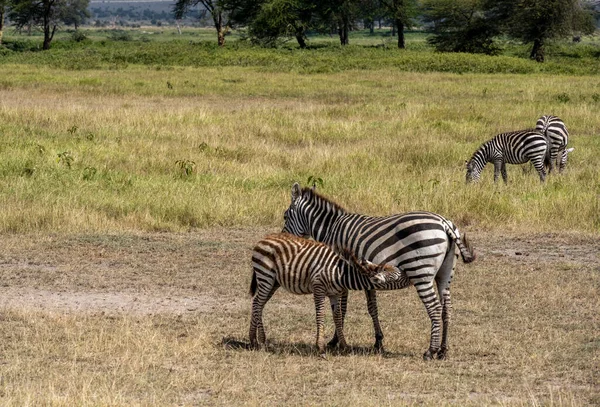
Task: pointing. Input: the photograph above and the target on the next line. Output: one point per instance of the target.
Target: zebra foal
(303, 266)
(557, 136)
(421, 244)
(517, 147)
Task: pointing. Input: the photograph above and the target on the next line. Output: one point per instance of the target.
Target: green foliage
(461, 26)
(65, 158)
(186, 167)
(120, 35)
(78, 36)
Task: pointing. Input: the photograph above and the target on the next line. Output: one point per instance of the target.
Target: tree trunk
(537, 52)
(300, 37)
(221, 28)
(1, 23)
(400, 26)
(343, 29)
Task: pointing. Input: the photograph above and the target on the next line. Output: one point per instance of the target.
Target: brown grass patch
(162, 319)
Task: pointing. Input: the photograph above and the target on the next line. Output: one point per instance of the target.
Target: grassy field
(136, 175)
(162, 319)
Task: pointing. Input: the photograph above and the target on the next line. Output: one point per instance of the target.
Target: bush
(120, 35)
(78, 36)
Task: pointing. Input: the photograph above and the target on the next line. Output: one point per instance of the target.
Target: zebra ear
(570, 149)
(296, 191)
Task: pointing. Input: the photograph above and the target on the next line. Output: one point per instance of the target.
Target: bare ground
(525, 330)
(159, 273)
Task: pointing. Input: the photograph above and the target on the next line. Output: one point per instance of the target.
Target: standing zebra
(516, 147)
(557, 135)
(304, 266)
(421, 244)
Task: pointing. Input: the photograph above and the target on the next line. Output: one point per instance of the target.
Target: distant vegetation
(195, 47)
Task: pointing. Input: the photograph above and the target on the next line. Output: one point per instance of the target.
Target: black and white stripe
(557, 135)
(303, 266)
(421, 244)
(517, 147)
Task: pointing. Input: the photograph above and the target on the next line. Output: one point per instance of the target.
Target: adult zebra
(515, 147)
(422, 244)
(304, 266)
(557, 135)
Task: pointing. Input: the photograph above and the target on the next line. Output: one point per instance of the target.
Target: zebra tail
(253, 284)
(466, 249)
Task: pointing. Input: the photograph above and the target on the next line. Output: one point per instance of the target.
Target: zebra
(557, 135)
(421, 244)
(304, 266)
(516, 147)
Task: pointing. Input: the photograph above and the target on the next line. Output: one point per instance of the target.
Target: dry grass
(383, 141)
(172, 327)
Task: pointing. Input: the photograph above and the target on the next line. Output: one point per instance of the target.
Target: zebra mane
(368, 270)
(312, 194)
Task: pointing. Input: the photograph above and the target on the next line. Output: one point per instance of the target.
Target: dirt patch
(181, 273)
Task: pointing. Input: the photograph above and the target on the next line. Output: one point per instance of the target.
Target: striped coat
(557, 135)
(303, 266)
(421, 244)
(517, 147)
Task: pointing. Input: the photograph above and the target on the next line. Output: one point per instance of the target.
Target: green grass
(367, 52)
(383, 141)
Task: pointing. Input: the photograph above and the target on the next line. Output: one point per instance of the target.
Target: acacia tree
(48, 15)
(3, 6)
(76, 12)
(218, 10)
(461, 26)
(282, 18)
(537, 21)
(402, 12)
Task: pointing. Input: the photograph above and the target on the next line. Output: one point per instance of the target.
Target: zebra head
(378, 274)
(473, 173)
(295, 222)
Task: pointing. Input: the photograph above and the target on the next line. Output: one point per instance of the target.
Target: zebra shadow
(309, 349)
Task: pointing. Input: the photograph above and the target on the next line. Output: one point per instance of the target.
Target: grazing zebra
(557, 135)
(516, 147)
(421, 244)
(304, 266)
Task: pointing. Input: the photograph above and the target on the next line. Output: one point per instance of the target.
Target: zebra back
(515, 147)
(296, 263)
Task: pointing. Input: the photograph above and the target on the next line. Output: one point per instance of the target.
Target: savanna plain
(132, 192)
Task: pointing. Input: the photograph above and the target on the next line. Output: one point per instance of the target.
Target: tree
(3, 7)
(282, 18)
(537, 21)
(48, 15)
(340, 14)
(76, 12)
(461, 25)
(218, 9)
(402, 12)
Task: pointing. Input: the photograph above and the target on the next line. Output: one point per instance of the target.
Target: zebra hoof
(333, 342)
(442, 354)
(428, 355)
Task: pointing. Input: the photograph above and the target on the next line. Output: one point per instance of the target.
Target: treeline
(473, 26)
(456, 25)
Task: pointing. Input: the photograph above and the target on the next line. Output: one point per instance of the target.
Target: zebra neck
(353, 279)
(324, 215)
(481, 157)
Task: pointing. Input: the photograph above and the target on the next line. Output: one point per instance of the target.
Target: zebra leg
(256, 322)
(497, 167)
(503, 172)
(343, 303)
(443, 279)
(434, 310)
(319, 297)
(372, 308)
(339, 321)
(538, 163)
